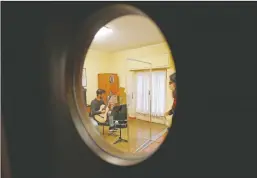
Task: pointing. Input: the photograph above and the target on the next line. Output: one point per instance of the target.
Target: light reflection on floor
(138, 133)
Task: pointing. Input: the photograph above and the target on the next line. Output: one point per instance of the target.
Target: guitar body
(102, 118)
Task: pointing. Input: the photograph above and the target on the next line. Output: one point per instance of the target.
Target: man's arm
(94, 111)
(173, 107)
(172, 110)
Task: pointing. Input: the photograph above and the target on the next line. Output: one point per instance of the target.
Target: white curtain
(142, 92)
(158, 93)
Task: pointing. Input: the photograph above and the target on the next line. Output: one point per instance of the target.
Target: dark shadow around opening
(76, 59)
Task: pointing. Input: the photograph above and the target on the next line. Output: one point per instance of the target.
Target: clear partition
(138, 86)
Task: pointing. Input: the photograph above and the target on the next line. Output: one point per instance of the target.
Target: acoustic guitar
(102, 118)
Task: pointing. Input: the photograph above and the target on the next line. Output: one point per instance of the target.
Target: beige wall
(95, 62)
(156, 54)
(159, 55)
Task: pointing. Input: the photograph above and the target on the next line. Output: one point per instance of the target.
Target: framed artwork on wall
(84, 78)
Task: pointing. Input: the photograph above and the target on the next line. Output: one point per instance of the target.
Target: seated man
(95, 108)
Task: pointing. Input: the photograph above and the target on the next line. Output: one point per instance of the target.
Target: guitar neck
(106, 105)
(109, 100)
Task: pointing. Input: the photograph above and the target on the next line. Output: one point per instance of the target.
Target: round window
(126, 111)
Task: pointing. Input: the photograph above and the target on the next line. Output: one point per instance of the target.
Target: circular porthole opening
(123, 89)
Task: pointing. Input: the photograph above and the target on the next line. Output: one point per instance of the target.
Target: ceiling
(129, 32)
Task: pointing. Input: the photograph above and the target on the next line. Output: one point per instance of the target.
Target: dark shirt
(174, 103)
(95, 106)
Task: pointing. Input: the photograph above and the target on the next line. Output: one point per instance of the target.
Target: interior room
(130, 62)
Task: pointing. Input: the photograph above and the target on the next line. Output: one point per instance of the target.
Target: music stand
(120, 114)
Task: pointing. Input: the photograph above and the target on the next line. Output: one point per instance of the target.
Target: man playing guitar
(100, 112)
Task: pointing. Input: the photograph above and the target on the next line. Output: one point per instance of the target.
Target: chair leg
(112, 133)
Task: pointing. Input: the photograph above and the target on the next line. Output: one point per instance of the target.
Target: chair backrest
(115, 112)
(120, 112)
(123, 109)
